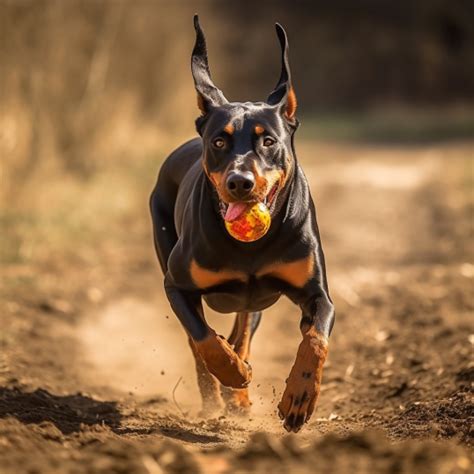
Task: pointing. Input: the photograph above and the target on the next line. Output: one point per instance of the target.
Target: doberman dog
(245, 153)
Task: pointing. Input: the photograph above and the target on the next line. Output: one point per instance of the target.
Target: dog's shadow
(66, 412)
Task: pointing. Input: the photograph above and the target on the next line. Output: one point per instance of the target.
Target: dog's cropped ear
(208, 95)
(284, 94)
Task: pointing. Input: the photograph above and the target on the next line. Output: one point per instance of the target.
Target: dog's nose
(240, 184)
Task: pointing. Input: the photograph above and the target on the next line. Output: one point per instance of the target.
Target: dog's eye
(268, 141)
(218, 142)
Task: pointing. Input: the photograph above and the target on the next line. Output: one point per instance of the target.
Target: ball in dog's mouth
(249, 221)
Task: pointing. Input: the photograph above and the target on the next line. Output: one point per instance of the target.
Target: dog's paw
(298, 402)
(303, 384)
(237, 401)
(224, 363)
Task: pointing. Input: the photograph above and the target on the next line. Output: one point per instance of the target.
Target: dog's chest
(295, 273)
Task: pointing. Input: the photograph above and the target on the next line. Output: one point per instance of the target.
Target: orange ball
(252, 224)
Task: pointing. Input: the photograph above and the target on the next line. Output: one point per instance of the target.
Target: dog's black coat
(188, 225)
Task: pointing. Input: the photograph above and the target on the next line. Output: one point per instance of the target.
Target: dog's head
(247, 146)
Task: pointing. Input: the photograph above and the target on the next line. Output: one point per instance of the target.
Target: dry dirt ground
(96, 375)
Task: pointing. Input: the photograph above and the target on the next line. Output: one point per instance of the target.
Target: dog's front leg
(303, 384)
(220, 358)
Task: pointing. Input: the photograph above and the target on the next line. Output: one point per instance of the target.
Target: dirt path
(96, 376)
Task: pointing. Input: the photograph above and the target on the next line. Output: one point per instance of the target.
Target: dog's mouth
(230, 211)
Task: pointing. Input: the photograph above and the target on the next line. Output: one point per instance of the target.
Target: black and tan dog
(245, 153)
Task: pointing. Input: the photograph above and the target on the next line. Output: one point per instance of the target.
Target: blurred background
(94, 94)
(88, 82)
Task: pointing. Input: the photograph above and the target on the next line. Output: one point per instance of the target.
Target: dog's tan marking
(272, 177)
(237, 401)
(291, 104)
(218, 180)
(229, 129)
(259, 130)
(207, 383)
(260, 180)
(295, 273)
(264, 181)
(223, 362)
(241, 335)
(204, 278)
(304, 382)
